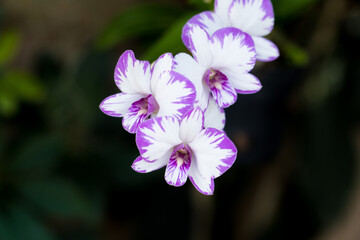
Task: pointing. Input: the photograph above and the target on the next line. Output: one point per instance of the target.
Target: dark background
(65, 166)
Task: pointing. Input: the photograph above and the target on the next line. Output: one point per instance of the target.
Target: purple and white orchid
(255, 17)
(220, 66)
(186, 148)
(148, 91)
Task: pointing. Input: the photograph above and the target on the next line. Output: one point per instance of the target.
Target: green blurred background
(65, 166)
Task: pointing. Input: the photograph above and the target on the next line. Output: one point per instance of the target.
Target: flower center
(181, 156)
(145, 106)
(214, 79)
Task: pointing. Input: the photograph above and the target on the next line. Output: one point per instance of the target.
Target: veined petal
(215, 152)
(177, 170)
(157, 137)
(203, 184)
(132, 75)
(117, 105)
(233, 50)
(214, 116)
(174, 93)
(222, 8)
(188, 67)
(136, 114)
(266, 50)
(200, 45)
(164, 63)
(244, 83)
(142, 166)
(191, 125)
(222, 91)
(209, 21)
(255, 17)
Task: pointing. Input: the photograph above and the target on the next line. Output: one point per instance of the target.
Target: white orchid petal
(214, 116)
(266, 50)
(191, 125)
(188, 67)
(255, 17)
(131, 75)
(214, 151)
(117, 105)
(157, 137)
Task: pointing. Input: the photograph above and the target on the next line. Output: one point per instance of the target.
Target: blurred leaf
(288, 9)
(295, 55)
(9, 45)
(292, 52)
(60, 199)
(8, 103)
(140, 20)
(202, 5)
(23, 85)
(169, 42)
(37, 157)
(25, 226)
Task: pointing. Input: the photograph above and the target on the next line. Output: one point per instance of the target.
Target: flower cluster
(176, 106)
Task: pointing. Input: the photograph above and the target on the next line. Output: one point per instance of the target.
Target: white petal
(222, 8)
(233, 50)
(191, 125)
(266, 50)
(255, 17)
(244, 83)
(214, 151)
(164, 63)
(188, 67)
(156, 137)
(117, 105)
(132, 75)
(200, 46)
(209, 21)
(142, 166)
(214, 116)
(205, 185)
(174, 94)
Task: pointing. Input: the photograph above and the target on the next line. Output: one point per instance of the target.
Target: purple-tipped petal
(204, 185)
(266, 50)
(165, 63)
(222, 91)
(174, 93)
(117, 105)
(244, 83)
(207, 20)
(255, 17)
(214, 116)
(188, 67)
(157, 137)
(221, 8)
(200, 45)
(142, 166)
(214, 151)
(177, 170)
(232, 50)
(191, 125)
(132, 75)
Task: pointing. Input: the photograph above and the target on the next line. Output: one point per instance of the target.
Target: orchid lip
(214, 79)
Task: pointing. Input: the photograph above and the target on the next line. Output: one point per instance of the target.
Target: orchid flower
(148, 91)
(220, 66)
(255, 17)
(186, 149)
